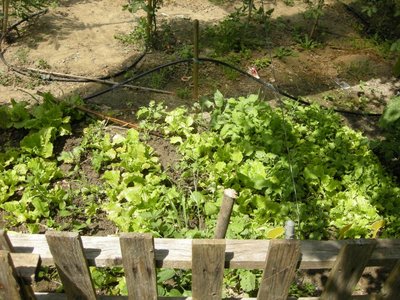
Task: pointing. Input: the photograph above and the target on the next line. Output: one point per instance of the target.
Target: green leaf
(247, 281)
(343, 231)
(165, 274)
(237, 157)
(219, 99)
(176, 140)
(210, 208)
(41, 207)
(376, 227)
(39, 143)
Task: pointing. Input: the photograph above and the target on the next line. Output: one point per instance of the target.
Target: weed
(303, 289)
(306, 42)
(233, 34)
(282, 52)
(43, 64)
(360, 69)
(135, 37)
(5, 79)
(186, 51)
(164, 39)
(183, 93)
(22, 55)
(262, 62)
(159, 79)
(289, 2)
(383, 48)
(234, 59)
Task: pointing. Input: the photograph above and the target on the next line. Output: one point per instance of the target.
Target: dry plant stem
(113, 120)
(250, 11)
(149, 21)
(16, 24)
(6, 4)
(320, 5)
(109, 82)
(196, 60)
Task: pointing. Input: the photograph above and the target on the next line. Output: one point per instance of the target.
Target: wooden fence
(140, 255)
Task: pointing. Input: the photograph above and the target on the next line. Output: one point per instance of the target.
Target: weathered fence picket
(208, 257)
(140, 254)
(69, 259)
(280, 266)
(348, 269)
(139, 265)
(9, 287)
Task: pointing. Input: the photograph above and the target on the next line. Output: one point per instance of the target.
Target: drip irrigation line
(215, 61)
(131, 66)
(119, 84)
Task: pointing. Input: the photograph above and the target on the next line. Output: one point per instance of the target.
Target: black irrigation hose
(215, 61)
(117, 85)
(131, 66)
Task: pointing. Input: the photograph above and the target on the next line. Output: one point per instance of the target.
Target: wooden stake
(196, 61)
(225, 213)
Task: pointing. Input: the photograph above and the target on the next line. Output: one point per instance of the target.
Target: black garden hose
(218, 62)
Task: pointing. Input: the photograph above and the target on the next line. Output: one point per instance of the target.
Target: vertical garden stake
(225, 213)
(196, 61)
(289, 230)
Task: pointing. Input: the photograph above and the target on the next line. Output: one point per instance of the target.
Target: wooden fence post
(139, 264)
(280, 266)
(349, 266)
(208, 260)
(67, 251)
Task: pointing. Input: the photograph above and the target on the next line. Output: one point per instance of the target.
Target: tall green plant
(150, 22)
(314, 12)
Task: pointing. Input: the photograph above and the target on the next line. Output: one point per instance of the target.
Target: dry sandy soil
(78, 37)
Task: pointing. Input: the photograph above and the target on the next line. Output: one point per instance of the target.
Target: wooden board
(139, 265)
(280, 266)
(26, 265)
(207, 269)
(177, 253)
(9, 287)
(348, 268)
(66, 248)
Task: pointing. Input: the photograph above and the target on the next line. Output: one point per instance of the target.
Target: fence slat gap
(348, 268)
(280, 266)
(67, 251)
(208, 258)
(139, 264)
